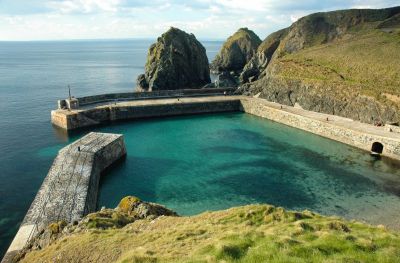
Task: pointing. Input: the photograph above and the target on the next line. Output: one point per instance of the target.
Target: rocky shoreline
(318, 63)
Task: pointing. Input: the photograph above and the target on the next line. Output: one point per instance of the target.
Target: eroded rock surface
(176, 61)
(236, 51)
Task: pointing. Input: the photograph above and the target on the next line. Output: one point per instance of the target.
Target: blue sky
(207, 19)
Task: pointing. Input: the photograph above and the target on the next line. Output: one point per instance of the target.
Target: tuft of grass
(253, 233)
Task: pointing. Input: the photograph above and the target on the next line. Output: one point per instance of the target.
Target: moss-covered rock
(236, 51)
(176, 61)
(137, 208)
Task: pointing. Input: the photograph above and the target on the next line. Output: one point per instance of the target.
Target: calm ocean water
(191, 164)
(33, 75)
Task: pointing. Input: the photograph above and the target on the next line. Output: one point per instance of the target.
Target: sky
(113, 19)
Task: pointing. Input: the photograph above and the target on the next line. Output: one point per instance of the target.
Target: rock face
(259, 62)
(236, 51)
(176, 61)
(341, 62)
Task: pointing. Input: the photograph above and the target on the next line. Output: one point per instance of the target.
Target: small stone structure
(70, 189)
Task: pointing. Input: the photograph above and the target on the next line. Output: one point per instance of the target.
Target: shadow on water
(288, 175)
(137, 176)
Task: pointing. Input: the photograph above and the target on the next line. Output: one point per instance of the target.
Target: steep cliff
(177, 61)
(341, 62)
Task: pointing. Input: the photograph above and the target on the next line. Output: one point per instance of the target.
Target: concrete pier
(70, 189)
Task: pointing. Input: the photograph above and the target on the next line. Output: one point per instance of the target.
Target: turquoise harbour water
(190, 164)
(33, 76)
(210, 162)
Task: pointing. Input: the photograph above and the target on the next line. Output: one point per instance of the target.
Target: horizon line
(101, 39)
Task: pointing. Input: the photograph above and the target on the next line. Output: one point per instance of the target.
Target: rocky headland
(176, 61)
(342, 62)
(235, 53)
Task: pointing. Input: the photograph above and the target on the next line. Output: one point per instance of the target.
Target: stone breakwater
(360, 135)
(136, 109)
(70, 189)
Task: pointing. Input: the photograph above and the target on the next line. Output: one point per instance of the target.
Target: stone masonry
(337, 128)
(70, 189)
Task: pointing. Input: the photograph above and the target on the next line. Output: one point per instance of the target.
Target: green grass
(364, 61)
(254, 233)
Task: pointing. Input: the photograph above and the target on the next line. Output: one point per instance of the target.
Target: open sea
(190, 164)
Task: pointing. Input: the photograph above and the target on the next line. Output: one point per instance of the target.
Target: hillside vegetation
(367, 61)
(341, 62)
(253, 233)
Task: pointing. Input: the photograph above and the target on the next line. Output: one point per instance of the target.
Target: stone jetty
(70, 189)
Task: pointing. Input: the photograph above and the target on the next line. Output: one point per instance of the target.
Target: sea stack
(236, 51)
(176, 61)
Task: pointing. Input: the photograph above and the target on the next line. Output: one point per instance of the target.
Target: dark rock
(225, 80)
(236, 51)
(259, 62)
(177, 61)
(325, 97)
(141, 83)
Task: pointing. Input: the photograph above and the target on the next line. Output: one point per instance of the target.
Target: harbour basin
(192, 164)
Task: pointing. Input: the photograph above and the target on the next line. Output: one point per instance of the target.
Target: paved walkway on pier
(70, 189)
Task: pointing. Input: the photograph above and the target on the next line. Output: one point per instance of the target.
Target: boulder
(236, 51)
(225, 80)
(176, 61)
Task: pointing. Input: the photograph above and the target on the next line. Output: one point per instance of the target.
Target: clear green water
(209, 162)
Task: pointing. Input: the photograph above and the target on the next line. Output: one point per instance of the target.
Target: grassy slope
(365, 61)
(255, 233)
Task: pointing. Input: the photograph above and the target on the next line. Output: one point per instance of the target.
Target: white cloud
(72, 19)
(84, 6)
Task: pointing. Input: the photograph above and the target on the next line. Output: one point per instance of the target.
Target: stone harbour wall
(71, 120)
(344, 130)
(70, 189)
(110, 97)
(336, 128)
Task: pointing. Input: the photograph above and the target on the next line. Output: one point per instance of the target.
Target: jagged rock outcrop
(341, 62)
(236, 51)
(259, 62)
(176, 61)
(226, 80)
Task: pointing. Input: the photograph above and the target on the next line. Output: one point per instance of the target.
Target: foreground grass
(255, 233)
(365, 61)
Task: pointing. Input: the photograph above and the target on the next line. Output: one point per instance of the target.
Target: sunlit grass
(254, 233)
